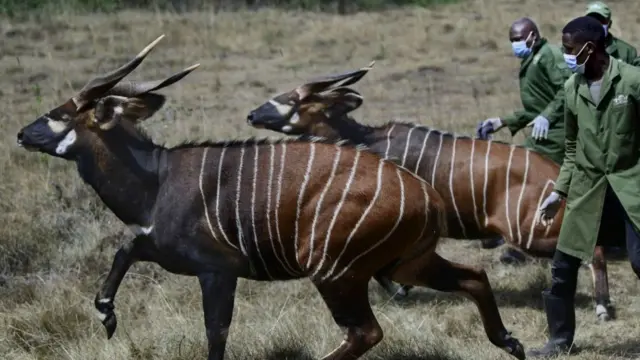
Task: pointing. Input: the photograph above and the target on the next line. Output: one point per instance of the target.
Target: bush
(13, 8)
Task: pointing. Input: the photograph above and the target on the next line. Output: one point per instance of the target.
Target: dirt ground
(448, 67)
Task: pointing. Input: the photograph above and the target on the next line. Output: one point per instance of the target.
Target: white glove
(496, 123)
(540, 127)
(488, 127)
(549, 209)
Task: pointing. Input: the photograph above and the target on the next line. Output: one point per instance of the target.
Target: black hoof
(492, 243)
(605, 313)
(512, 257)
(107, 315)
(515, 348)
(403, 291)
(110, 324)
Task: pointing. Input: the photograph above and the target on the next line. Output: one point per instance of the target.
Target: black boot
(512, 257)
(562, 323)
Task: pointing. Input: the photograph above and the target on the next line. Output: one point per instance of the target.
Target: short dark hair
(584, 29)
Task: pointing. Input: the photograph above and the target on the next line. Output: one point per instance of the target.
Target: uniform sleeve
(635, 59)
(557, 75)
(631, 57)
(568, 164)
(518, 120)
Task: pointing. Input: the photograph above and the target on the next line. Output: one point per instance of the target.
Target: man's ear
(112, 109)
(342, 101)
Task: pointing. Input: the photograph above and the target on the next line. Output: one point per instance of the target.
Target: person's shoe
(512, 257)
(562, 323)
(492, 243)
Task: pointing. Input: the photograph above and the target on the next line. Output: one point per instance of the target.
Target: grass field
(448, 67)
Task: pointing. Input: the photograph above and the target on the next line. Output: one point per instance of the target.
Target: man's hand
(540, 127)
(487, 127)
(549, 208)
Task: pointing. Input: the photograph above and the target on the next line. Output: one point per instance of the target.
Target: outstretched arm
(518, 120)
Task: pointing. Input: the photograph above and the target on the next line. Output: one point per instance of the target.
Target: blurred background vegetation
(16, 8)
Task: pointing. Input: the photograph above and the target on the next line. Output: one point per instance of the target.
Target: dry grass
(449, 67)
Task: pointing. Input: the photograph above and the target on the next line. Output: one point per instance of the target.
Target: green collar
(536, 48)
(610, 76)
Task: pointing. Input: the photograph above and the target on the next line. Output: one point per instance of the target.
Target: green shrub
(13, 8)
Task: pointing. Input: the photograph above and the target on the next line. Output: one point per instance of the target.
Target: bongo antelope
(255, 209)
(489, 188)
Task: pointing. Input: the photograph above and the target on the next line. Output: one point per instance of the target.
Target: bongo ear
(341, 101)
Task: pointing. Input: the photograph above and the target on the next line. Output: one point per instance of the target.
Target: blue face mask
(572, 61)
(520, 48)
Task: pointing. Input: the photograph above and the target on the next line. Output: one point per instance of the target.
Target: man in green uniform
(543, 73)
(600, 174)
(617, 48)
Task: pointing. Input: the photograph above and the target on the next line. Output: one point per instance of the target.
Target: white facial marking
(286, 128)
(118, 110)
(283, 109)
(140, 230)
(104, 301)
(65, 144)
(56, 126)
(295, 118)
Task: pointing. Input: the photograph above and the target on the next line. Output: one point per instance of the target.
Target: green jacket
(622, 50)
(542, 76)
(602, 146)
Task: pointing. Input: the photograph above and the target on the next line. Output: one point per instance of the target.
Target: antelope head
(313, 108)
(101, 105)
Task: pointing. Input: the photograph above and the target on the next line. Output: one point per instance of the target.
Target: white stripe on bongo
(535, 217)
(435, 162)
(253, 208)
(204, 199)
(224, 234)
(269, 190)
(395, 226)
(453, 197)
(406, 147)
(524, 185)
(386, 153)
(486, 182)
(362, 217)
(426, 210)
(473, 188)
(335, 214)
(303, 186)
(238, 222)
(334, 169)
(288, 268)
(424, 145)
(506, 203)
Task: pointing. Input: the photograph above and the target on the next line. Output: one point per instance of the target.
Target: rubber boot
(561, 319)
(492, 243)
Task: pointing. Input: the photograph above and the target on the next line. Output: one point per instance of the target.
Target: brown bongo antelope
(490, 188)
(256, 209)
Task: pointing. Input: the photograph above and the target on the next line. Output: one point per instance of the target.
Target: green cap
(600, 8)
